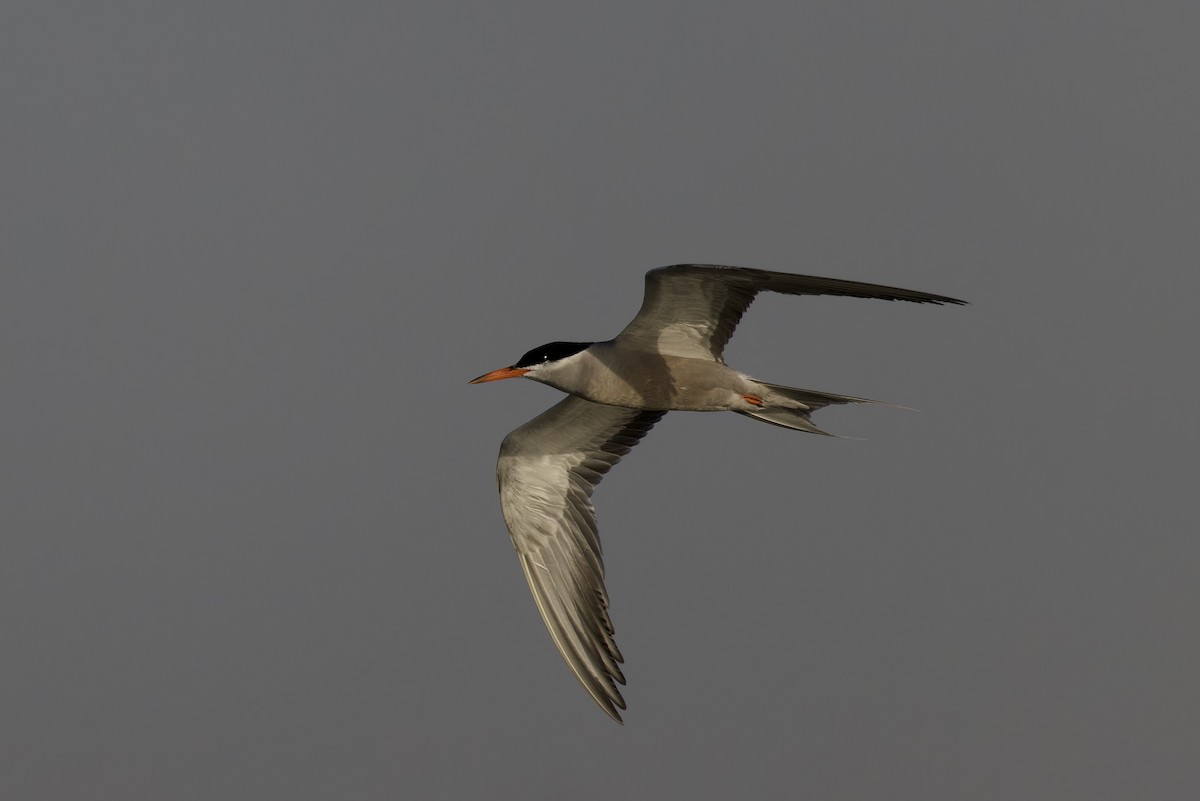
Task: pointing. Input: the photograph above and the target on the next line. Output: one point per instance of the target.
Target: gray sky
(253, 252)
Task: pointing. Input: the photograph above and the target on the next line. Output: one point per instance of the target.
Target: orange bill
(503, 372)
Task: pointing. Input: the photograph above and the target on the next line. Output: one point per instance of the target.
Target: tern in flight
(669, 358)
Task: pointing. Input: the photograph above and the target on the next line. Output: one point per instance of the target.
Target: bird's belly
(675, 384)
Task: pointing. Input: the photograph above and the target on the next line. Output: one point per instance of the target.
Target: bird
(670, 357)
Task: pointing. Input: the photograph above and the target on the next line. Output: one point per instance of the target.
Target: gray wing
(547, 471)
(691, 309)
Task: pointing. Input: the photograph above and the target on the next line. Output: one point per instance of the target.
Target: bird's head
(537, 363)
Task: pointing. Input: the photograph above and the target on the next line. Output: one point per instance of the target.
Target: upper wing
(547, 471)
(691, 309)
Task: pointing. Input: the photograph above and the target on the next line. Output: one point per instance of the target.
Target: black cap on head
(551, 353)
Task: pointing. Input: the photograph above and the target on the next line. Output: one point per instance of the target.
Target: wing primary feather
(552, 616)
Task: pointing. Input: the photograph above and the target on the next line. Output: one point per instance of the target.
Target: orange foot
(753, 400)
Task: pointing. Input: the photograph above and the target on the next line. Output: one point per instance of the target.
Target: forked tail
(792, 408)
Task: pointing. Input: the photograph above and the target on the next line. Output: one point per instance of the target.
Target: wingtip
(610, 703)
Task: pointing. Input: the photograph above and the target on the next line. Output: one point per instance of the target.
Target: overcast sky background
(252, 252)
